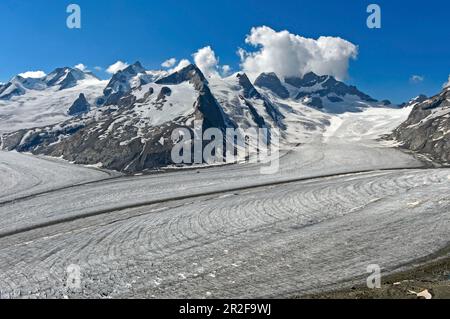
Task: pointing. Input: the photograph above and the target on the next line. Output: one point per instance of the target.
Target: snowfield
(339, 203)
(38, 108)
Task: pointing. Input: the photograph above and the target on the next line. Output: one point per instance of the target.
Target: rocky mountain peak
(80, 106)
(271, 82)
(65, 77)
(134, 68)
(123, 82)
(326, 88)
(18, 85)
(308, 80)
(190, 73)
(249, 90)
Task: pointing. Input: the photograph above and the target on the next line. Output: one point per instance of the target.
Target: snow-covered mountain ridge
(127, 122)
(36, 102)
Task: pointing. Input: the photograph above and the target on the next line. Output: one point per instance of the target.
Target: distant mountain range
(61, 78)
(126, 123)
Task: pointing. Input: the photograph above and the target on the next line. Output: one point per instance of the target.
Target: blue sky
(414, 38)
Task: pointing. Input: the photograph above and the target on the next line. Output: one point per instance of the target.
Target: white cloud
(226, 70)
(448, 83)
(416, 78)
(206, 61)
(182, 64)
(33, 74)
(116, 67)
(288, 54)
(80, 67)
(169, 63)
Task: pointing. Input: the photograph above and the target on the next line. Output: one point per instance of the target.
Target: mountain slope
(134, 133)
(127, 123)
(27, 103)
(321, 92)
(427, 129)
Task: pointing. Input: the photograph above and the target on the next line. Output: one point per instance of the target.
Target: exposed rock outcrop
(80, 106)
(427, 129)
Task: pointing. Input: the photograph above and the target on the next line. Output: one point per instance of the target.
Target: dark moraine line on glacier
(188, 196)
(263, 242)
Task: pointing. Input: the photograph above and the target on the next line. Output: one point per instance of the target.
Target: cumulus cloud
(207, 62)
(33, 74)
(116, 67)
(182, 64)
(226, 70)
(448, 83)
(416, 79)
(169, 63)
(288, 54)
(80, 67)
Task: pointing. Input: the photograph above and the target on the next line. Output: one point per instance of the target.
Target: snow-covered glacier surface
(24, 175)
(339, 203)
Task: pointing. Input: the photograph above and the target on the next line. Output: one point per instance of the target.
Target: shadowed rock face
(80, 106)
(249, 90)
(165, 91)
(325, 86)
(120, 85)
(427, 129)
(308, 80)
(315, 102)
(207, 108)
(271, 82)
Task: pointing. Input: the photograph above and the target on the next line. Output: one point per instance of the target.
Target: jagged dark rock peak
(64, 77)
(80, 106)
(206, 105)
(120, 85)
(308, 80)
(250, 91)
(325, 86)
(190, 73)
(271, 82)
